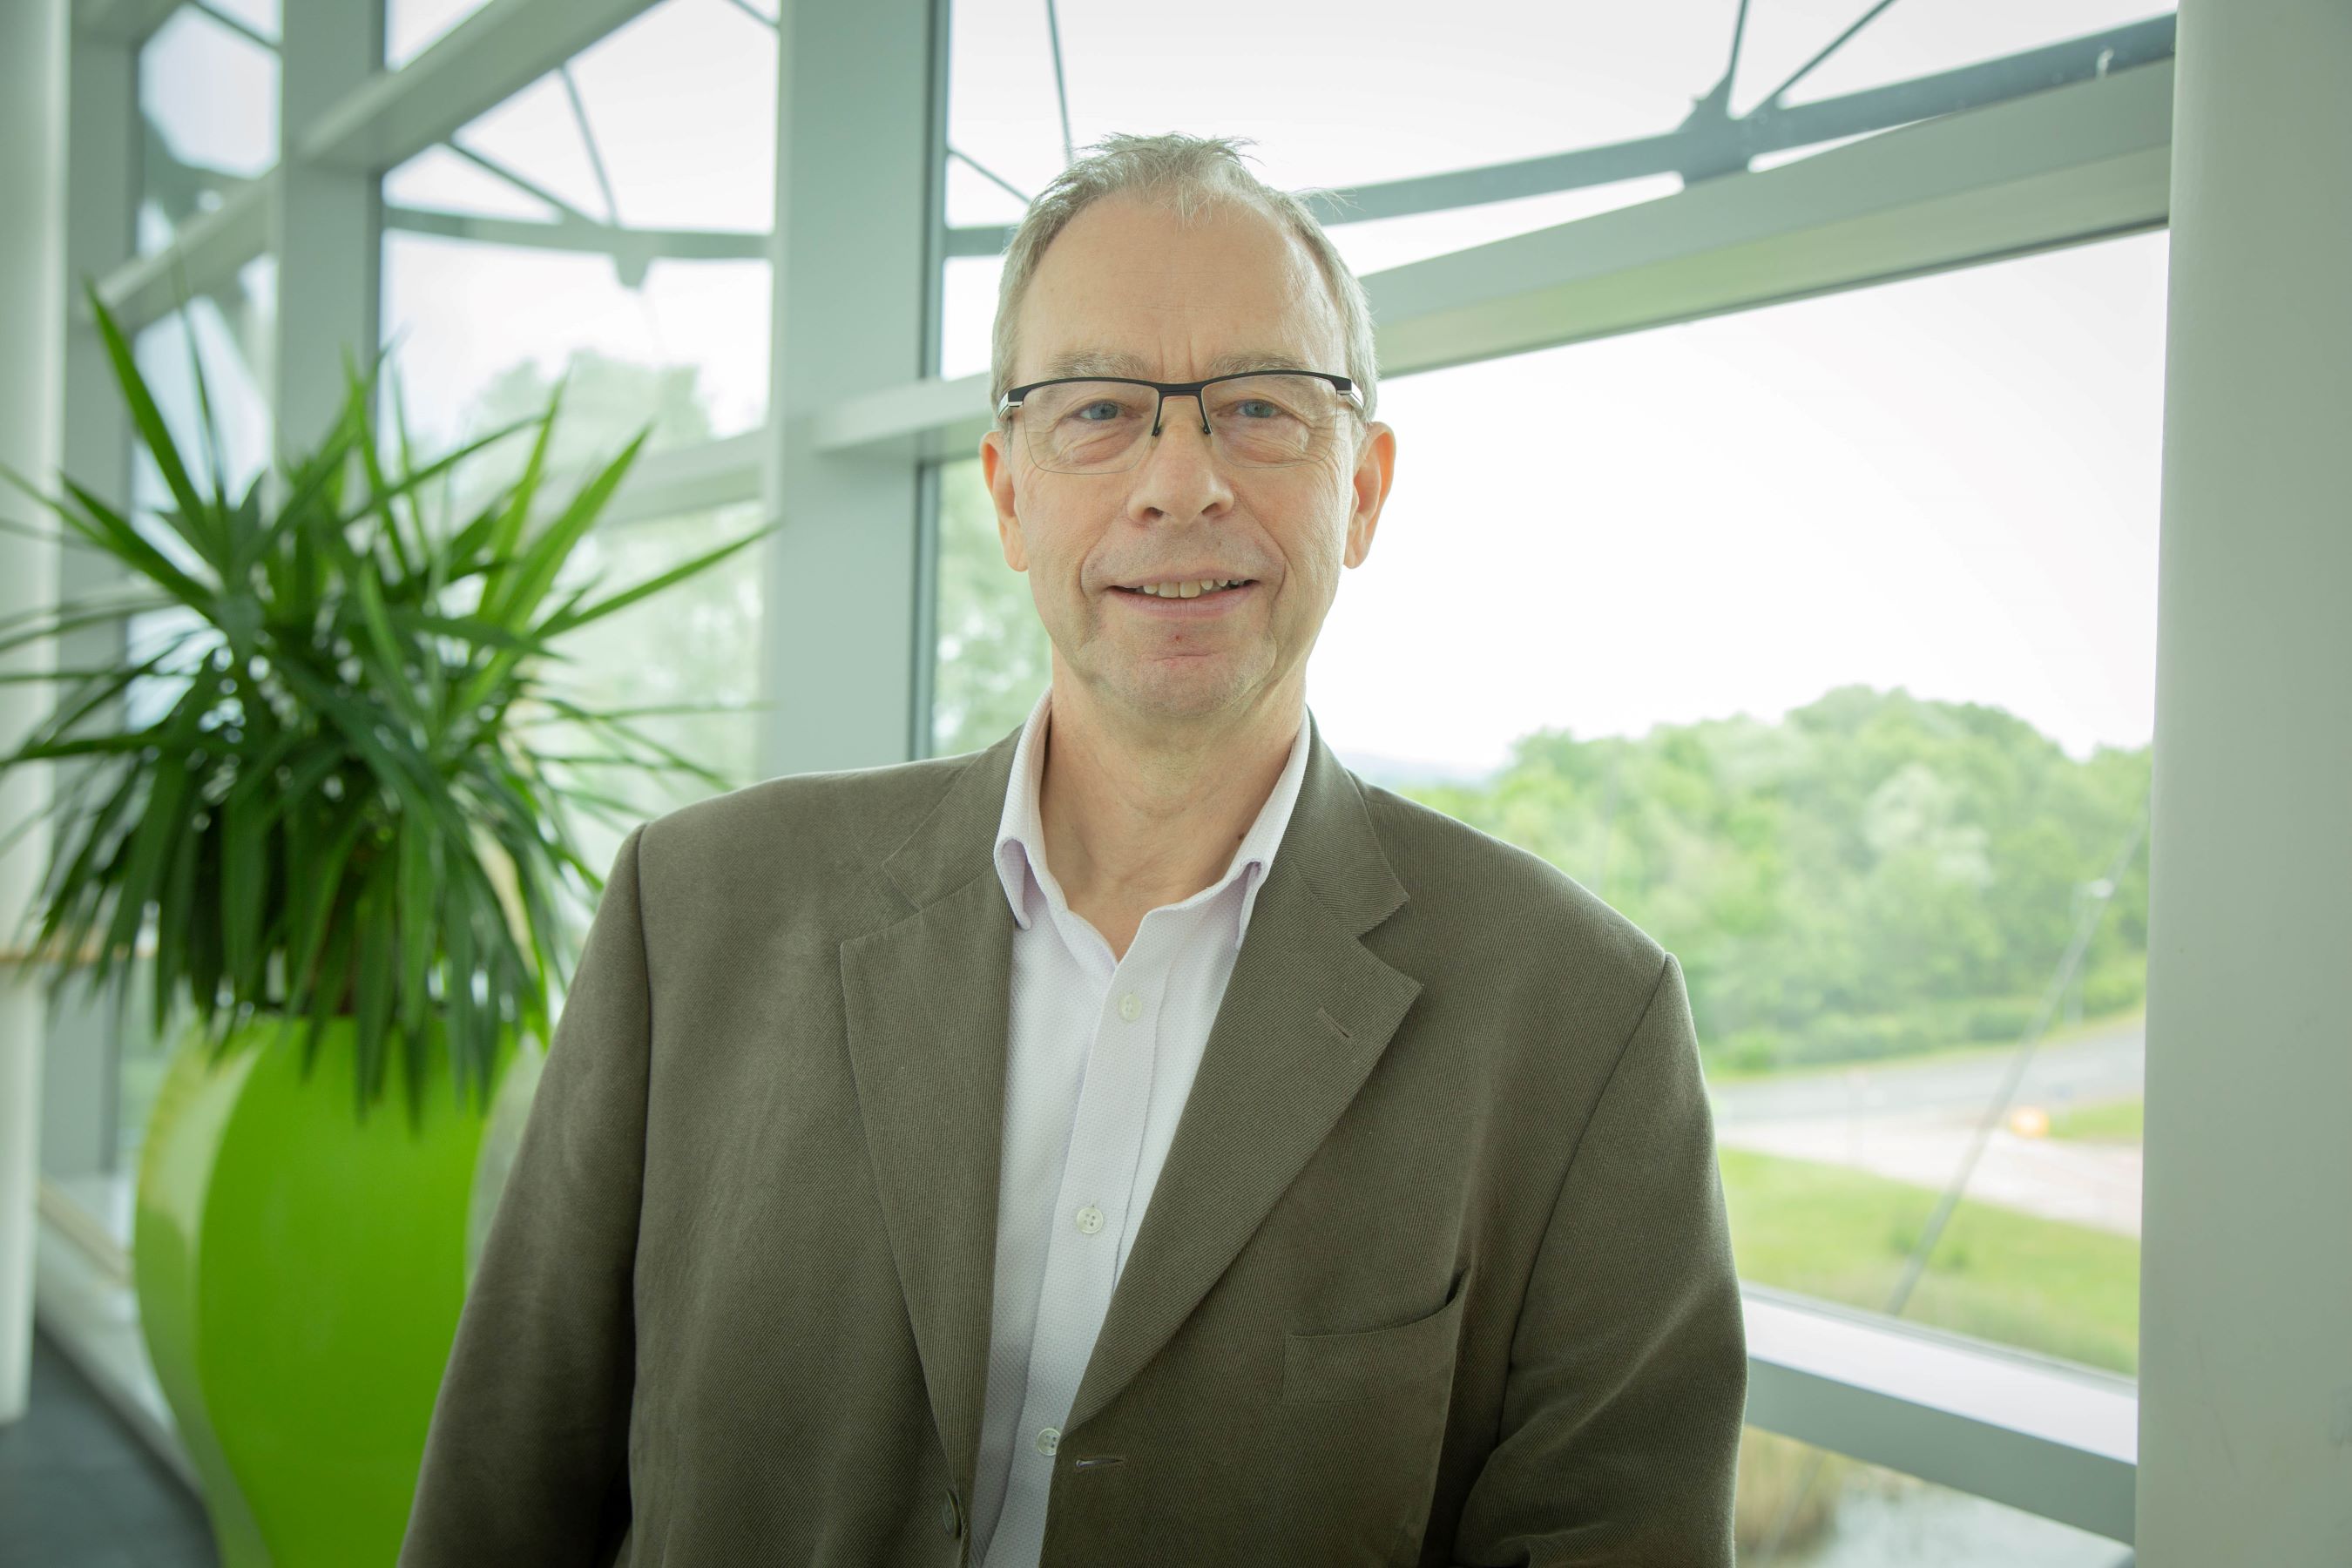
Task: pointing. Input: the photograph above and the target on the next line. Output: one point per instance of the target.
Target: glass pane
(682, 103)
(1380, 242)
(1914, 39)
(476, 327)
(1801, 1507)
(261, 16)
(968, 287)
(412, 26)
(697, 642)
(1317, 84)
(667, 124)
(969, 283)
(535, 135)
(676, 110)
(440, 179)
(1852, 713)
(228, 335)
(992, 657)
(208, 111)
(1819, 640)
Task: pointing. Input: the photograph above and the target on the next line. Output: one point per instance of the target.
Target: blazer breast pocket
(1326, 1368)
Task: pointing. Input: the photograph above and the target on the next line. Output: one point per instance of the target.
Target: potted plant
(352, 859)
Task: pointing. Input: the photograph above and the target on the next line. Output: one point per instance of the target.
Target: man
(1141, 1142)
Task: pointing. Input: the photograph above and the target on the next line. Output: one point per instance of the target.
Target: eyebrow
(1106, 362)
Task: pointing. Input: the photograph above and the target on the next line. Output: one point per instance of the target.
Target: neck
(1138, 814)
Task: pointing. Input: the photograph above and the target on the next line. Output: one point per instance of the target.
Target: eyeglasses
(1253, 419)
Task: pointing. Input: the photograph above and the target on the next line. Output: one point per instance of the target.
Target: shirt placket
(1091, 1219)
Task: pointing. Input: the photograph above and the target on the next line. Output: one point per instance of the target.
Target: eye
(1257, 408)
(1094, 413)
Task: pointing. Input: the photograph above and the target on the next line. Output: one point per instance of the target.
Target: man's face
(1126, 289)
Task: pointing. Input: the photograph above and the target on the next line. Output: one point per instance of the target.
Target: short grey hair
(1189, 173)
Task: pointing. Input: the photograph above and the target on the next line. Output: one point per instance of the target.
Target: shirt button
(951, 1517)
(1089, 1220)
(1048, 1440)
(1131, 1006)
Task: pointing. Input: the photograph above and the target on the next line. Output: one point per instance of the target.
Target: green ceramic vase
(299, 1274)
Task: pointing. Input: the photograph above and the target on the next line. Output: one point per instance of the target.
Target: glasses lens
(1086, 426)
(1273, 420)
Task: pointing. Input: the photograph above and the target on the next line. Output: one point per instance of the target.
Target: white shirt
(1102, 1055)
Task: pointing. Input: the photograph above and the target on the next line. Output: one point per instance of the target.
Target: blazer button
(951, 1516)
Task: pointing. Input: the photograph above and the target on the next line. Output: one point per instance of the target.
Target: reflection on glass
(1819, 640)
(1800, 1507)
(208, 113)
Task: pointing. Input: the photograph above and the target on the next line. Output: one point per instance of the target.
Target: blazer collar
(927, 1000)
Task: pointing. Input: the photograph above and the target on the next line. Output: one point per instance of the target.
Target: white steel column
(323, 225)
(33, 41)
(2245, 1447)
(855, 169)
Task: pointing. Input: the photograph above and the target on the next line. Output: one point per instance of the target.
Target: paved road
(1916, 1123)
(2079, 1071)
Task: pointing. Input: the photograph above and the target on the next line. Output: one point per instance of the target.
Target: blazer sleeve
(1628, 1378)
(525, 1458)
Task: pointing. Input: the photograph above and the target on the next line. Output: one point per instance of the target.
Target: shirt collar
(1020, 836)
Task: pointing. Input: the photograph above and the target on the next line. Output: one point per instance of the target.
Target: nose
(1179, 476)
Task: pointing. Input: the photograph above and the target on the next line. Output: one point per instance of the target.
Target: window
(207, 115)
(609, 220)
(1819, 640)
(1803, 1505)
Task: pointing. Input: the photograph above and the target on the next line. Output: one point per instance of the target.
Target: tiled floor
(78, 1491)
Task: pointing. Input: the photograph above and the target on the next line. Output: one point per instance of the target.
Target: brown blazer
(1436, 1271)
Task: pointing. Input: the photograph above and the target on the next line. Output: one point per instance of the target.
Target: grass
(2043, 1285)
(1718, 1077)
(2110, 1122)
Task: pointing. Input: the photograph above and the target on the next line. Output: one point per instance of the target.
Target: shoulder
(845, 818)
(1475, 901)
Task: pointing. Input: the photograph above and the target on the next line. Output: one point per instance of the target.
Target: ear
(996, 469)
(1375, 469)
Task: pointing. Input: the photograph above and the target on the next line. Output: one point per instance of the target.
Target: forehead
(1130, 288)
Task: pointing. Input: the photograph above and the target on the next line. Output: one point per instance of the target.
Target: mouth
(1187, 599)
(1185, 588)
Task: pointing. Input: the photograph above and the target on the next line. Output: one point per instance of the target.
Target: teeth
(1188, 590)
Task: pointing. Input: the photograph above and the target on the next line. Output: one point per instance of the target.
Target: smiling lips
(1185, 587)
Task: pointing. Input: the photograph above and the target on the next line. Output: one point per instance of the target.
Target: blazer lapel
(1306, 1013)
(926, 1002)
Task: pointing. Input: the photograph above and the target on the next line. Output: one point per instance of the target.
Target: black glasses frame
(1191, 389)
